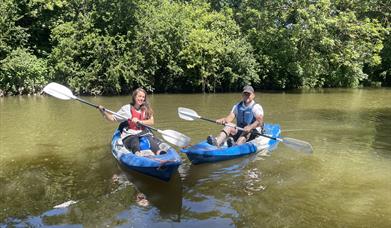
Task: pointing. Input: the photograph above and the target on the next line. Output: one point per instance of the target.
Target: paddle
(298, 145)
(62, 92)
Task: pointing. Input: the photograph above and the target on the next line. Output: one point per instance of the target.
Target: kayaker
(138, 111)
(248, 115)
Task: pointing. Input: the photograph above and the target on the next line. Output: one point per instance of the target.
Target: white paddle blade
(298, 145)
(187, 114)
(175, 138)
(59, 91)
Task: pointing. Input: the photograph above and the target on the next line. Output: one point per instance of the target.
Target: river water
(54, 152)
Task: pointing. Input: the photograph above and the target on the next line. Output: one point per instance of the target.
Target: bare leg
(241, 140)
(221, 138)
(224, 135)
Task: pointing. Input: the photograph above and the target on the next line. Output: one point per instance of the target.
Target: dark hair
(145, 106)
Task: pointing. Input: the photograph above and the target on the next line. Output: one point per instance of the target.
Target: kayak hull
(206, 153)
(158, 166)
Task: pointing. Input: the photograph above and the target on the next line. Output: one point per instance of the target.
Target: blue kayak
(160, 166)
(203, 152)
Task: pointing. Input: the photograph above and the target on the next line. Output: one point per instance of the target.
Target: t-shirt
(124, 111)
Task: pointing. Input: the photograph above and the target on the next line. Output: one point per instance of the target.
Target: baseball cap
(248, 89)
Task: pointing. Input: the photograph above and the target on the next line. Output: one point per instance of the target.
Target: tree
(188, 46)
(12, 35)
(310, 43)
(93, 52)
(22, 73)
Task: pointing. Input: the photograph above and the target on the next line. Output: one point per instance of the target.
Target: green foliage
(187, 46)
(116, 17)
(311, 44)
(385, 70)
(111, 47)
(379, 10)
(39, 17)
(12, 35)
(22, 73)
(89, 62)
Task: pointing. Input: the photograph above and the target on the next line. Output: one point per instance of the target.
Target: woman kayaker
(138, 111)
(248, 115)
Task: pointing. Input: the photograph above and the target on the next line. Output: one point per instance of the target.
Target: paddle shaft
(113, 113)
(169, 135)
(104, 109)
(299, 145)
(242, 129)
(86, 102)
(63, 93)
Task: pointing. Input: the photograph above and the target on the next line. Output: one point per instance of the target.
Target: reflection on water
(55, 152)
(134, 200)
(166, 197)
(210, 172)
(382, 138)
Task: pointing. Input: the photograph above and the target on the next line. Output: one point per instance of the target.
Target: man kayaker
(248, 115)
(138, 111)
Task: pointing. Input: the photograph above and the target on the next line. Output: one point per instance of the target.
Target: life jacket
(138, 115)
(245, 114)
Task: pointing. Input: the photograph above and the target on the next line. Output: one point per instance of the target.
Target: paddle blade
(175, 138)
(298, 145)
(187, 114)
(59, 91)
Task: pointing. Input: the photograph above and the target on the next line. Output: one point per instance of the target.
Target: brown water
(55, 151)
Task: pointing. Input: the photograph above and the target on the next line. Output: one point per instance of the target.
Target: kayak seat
(119, 142)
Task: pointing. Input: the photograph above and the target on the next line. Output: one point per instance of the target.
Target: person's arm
(258, 122)
(227, 119)
(106, 115)
(112, 118)
(230, 118)
(258, 113)
(149, 121)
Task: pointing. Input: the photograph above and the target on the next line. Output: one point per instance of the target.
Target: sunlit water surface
(54, 152)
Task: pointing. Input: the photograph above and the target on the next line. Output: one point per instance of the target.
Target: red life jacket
(138, 115)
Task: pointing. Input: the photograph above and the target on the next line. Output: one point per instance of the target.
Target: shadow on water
(209, 172)
(165, 196)
(207, 194)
